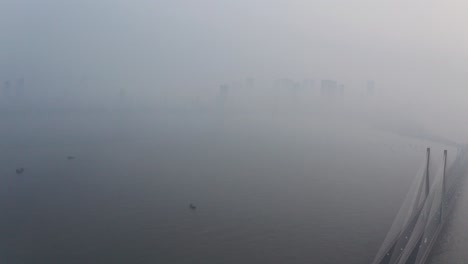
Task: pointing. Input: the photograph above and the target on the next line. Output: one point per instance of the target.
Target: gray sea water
(266, 191)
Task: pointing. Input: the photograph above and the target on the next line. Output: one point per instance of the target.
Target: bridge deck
(452, 245)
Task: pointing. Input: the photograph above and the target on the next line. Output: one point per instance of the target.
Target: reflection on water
(265, 192)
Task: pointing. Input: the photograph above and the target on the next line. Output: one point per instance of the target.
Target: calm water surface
(266, 191)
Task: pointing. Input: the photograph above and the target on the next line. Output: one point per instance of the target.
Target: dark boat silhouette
(19, 170)
(70, 157)
(192, 207)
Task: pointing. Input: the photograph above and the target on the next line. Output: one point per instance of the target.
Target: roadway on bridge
(452, 244)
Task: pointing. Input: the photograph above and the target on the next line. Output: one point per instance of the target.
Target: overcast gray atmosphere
(322, 131)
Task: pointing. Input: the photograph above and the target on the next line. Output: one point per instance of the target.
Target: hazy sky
(203, 43)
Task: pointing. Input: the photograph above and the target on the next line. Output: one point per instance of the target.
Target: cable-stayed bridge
(423, 212)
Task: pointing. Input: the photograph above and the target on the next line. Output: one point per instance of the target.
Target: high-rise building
(250, 83)
(6, 90)
(308, 84)
(223, 95)
(329, 88)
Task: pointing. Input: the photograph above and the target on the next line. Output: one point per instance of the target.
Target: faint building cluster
(12, 90)
(286, 84)
(242, 94)
(331, 88)
(287, 94)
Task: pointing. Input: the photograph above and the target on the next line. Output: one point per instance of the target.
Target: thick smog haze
(151, 45)
(326, 131)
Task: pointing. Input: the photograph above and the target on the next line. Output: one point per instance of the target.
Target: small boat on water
(192, 207)
(19, 170)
